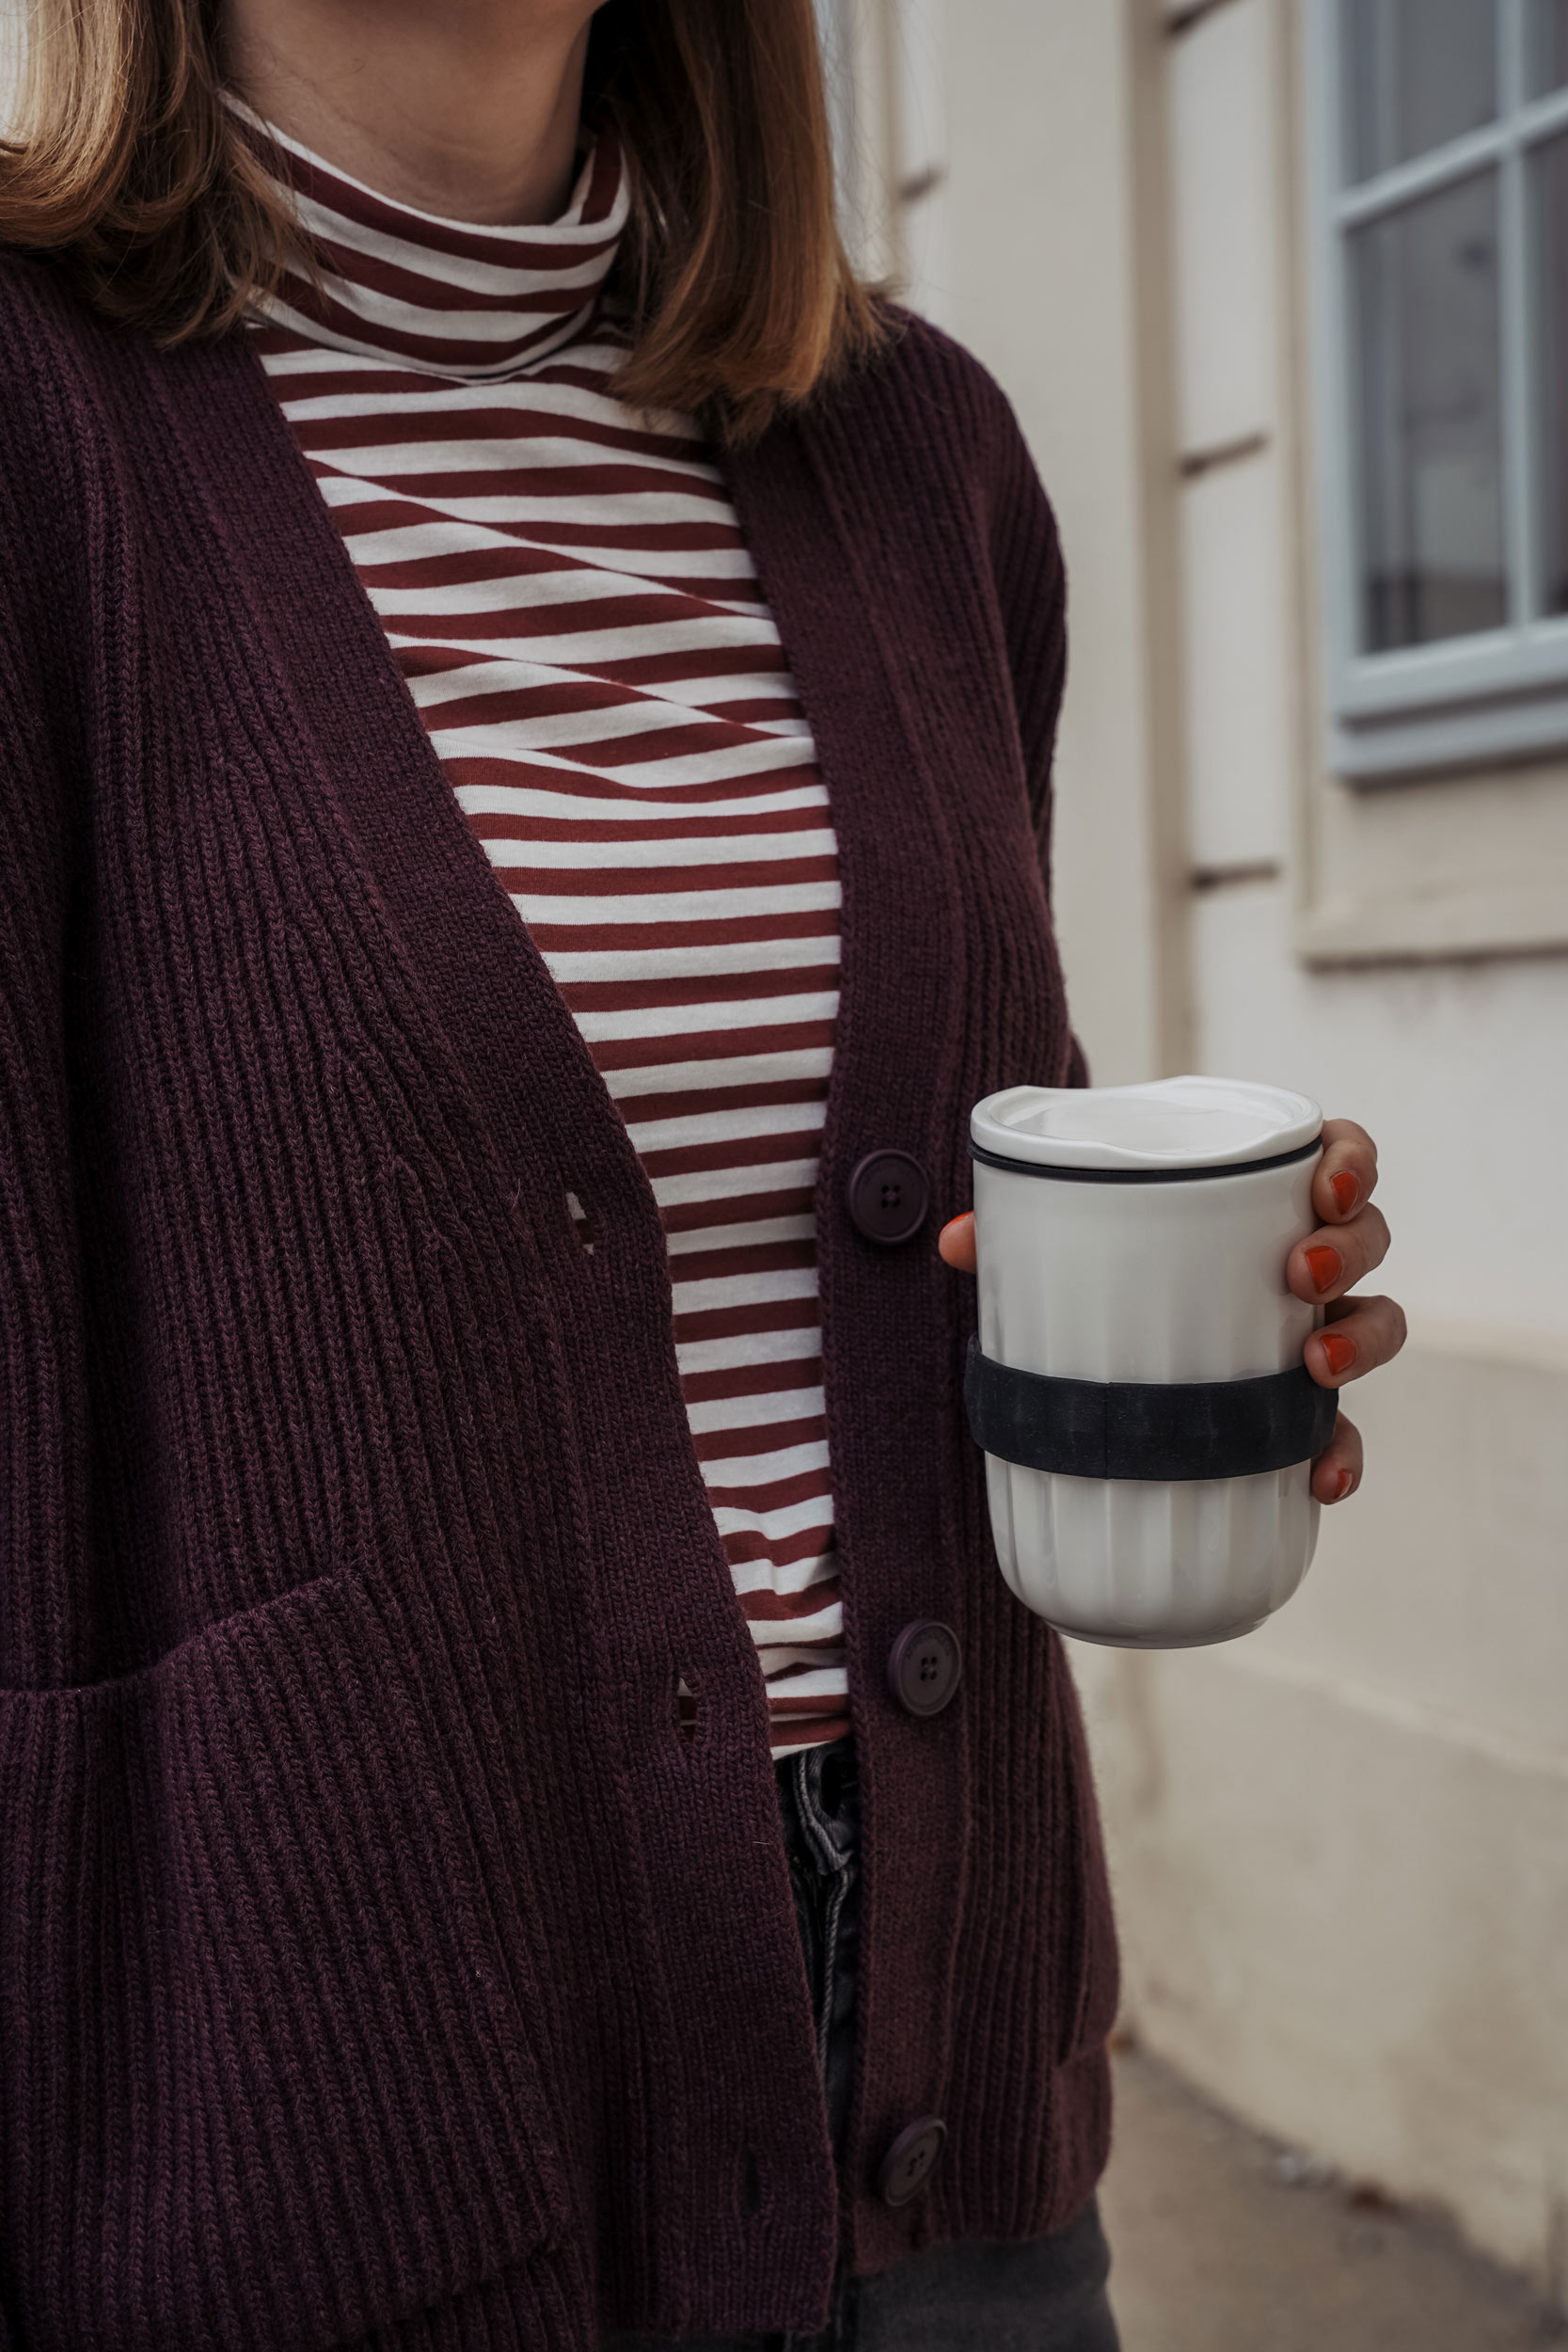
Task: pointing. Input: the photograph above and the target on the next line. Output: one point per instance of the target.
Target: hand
(1358, 1334)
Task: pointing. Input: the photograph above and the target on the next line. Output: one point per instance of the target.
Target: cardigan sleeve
(39, 1360)
(58, 1928)
(42, 1392)
(1030, 580)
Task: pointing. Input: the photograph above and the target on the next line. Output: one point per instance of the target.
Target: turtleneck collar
(452, 297)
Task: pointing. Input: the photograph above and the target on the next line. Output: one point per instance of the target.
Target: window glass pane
(1416, 73)
(1549, 206)
(1424, 296)
(1548, 45)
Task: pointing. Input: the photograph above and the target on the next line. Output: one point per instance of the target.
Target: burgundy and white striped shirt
(568, 593)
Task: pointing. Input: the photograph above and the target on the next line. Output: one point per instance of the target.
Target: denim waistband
(820, 1805)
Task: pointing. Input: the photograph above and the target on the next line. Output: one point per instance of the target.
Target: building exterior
(1272, 284)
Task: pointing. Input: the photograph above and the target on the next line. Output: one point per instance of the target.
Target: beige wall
(1340, 1846)
(1041, 285)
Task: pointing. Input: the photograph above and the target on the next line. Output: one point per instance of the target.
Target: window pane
(1417, 72)
(1424, 293)
(1548, 45)
(1549, 204)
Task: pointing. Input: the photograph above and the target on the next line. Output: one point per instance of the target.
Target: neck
(468, 108)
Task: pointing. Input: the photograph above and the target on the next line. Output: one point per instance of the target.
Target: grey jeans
(1047, 2294)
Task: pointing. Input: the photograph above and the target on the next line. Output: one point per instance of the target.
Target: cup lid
(1168, 1123)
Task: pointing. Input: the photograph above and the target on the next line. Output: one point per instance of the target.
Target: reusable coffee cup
(1137, 1380)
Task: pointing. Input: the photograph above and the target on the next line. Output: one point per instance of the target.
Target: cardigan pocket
(264, 2024)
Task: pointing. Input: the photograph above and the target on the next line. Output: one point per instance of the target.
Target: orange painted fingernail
(1342, 1489)
(1338, 1352)
(1345, 1189)
(1326, 1265)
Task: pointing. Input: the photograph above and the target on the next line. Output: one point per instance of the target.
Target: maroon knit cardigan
(380, 1963)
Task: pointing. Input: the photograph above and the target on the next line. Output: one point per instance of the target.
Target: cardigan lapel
(836, 578)
(469, 953)
(832, 541)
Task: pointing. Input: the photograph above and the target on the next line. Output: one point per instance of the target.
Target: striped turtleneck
(563, 583)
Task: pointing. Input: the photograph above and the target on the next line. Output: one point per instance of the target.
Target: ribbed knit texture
(381, 1963)
(565, 589)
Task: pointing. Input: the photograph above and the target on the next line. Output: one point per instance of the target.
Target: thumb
(956, 1243)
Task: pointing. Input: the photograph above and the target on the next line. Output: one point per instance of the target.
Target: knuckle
(1359, 1261)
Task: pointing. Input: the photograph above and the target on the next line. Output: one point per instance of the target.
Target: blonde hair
(128, 165)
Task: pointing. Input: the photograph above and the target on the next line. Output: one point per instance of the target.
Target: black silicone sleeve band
(1157, 1430)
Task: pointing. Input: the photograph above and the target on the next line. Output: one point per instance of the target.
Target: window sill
(1368, 750)
(1499, 918)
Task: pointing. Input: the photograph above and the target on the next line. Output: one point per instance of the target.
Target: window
(1440, 147)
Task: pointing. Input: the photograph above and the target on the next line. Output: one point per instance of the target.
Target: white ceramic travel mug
(1137, 1381)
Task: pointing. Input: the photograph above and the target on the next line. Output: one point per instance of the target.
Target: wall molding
(1466, 924)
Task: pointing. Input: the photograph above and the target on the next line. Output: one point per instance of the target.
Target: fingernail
(1326, 1265)
(1342, 1489)
(1338, 1352)
(1345, 1189)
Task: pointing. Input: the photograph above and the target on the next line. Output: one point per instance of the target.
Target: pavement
(1225, 2241)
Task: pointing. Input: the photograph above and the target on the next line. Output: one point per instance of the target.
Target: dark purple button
(912, 2160)
(924, 1666)
(889, 1195)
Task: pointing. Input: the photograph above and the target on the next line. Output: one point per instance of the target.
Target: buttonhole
(581, 1224)
(686, 1709)
(751, 2184)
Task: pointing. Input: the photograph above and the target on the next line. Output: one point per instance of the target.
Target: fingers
(1333, 1259)
(956, 1243)
(1371, 1329)
(1358, 1334)
(1343, 1179)
(1361, 1334)
(1337, 1472)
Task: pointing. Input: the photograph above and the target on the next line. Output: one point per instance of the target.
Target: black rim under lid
(1143, 1175)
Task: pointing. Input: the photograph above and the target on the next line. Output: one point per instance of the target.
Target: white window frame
(1500, 694)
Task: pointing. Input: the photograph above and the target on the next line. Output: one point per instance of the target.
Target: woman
(492, 611)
